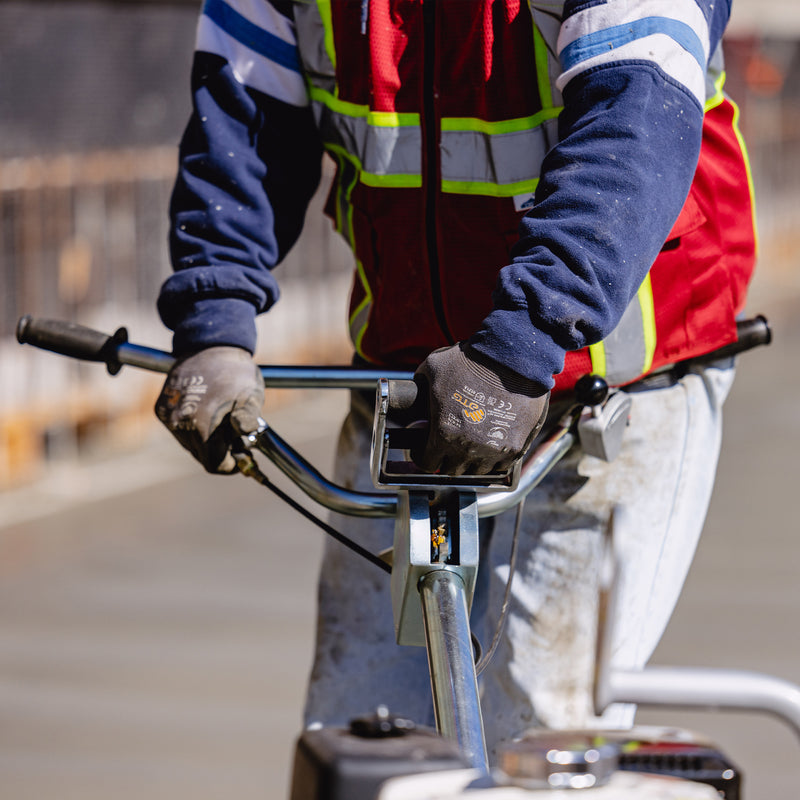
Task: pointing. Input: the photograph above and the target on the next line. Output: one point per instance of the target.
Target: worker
(533, 191)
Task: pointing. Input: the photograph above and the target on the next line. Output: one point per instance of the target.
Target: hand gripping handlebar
(115, 351)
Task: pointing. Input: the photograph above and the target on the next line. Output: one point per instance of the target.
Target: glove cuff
(497, 375)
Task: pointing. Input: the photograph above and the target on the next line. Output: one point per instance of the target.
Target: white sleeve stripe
(251, 68)
(614, 13)
(260, 16)
(659, 49)
(263, 14)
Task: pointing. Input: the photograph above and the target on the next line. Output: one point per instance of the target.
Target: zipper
(432, 171)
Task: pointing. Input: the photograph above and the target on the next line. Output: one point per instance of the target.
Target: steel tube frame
(315, 485)
(275, 376)
(452, 667)
(706, 688)
(384, 504)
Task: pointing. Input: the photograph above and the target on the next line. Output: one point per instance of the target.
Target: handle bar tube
(452, 667)
(384, 504)
(315, 485)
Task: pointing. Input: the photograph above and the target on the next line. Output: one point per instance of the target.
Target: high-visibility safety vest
(453, 164)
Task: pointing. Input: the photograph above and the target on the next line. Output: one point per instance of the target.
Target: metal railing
(83, 237)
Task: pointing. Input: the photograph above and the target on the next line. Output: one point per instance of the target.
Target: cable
(247, 466)
(501, 620)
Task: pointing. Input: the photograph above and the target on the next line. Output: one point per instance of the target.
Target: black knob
(591, 390)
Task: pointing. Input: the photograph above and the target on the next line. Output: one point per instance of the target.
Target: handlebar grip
(752, 333)
(403, 395)
(73, 340)
(408, 402)
(407, 406)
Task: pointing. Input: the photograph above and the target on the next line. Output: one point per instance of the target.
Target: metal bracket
(601, 427)
(391, 466)
(431, 533)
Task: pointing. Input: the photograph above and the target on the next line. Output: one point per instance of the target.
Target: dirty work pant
(541, 672)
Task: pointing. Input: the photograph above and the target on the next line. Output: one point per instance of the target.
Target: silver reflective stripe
(550, 129)
(625, 350)
(379, 149)
(546, 15)
(348, 175)
(498, 158)
(358, 322)
(716, 69)
(314, 42)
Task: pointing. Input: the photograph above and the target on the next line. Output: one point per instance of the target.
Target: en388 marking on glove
(481, 418)
(209, 400)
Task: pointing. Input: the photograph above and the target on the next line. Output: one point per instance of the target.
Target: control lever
(602, 423)
(400, 426)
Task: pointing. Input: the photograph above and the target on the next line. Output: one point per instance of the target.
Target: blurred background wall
(93, 99)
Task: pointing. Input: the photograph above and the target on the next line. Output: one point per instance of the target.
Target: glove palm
(208, 400)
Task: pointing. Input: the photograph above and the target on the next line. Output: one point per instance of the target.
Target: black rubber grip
(408, 402)
(750, 333)
(402, 395)
(71, 339)
(408, 405)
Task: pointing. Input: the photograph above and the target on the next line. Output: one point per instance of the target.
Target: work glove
(481, 417)
(209, 400)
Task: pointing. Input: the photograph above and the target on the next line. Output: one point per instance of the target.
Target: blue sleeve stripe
(601, 42)
(251, 36)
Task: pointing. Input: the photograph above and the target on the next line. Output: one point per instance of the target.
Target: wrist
(217, 322)
(508, 338)
(499, 375)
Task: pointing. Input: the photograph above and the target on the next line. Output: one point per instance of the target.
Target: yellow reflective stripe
(390, 181)
(391, 119)
(597, 353)
(357, 322)
(345, 226)
(748, 170)
(630, 358)
(647, 305)
(324, 8)
(542, 68)
(717, 98)
(490, 189)
(372, 179)
(360, 316)
(713, 102)
(337, 211)
(378, 119)
(477, 125)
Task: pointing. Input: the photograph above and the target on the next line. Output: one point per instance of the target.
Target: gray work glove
(481, 417)
(210, 399)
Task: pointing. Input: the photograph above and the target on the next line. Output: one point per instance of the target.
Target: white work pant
(542, 671)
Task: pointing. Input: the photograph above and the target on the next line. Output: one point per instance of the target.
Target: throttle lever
(405, 403)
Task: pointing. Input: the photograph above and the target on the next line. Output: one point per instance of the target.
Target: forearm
(249, 163)
(608, 195)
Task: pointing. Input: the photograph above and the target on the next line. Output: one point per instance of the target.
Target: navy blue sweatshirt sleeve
(610, 191)
(250, 161)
